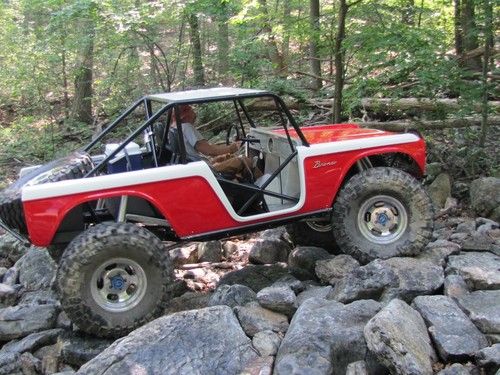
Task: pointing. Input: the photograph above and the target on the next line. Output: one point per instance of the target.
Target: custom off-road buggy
(108, 207)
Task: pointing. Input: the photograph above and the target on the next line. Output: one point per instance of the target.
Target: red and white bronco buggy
(104, 211)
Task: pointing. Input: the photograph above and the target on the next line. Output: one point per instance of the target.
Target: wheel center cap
(117, 282)
(383, 218)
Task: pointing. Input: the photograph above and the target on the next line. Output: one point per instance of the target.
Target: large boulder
(325, 337)
(478, 269)
(232, 295)
(456, 338)
(482, 307)
(332, 270)
(11, 250)
(398, 337)
(255, 318)
(36, 268)
(78, 348)
(440, 189)
(19, 321)
(383, 280)
(281, 299)
(269, 250)
(206, 341)
(303, 259)
(255, 277)
(485, 196)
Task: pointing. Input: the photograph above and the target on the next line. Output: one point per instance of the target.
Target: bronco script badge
(319, 163)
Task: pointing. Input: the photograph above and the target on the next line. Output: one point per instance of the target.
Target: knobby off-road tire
(313, 233)
(113, 278)
(382, 213)
(71, 167)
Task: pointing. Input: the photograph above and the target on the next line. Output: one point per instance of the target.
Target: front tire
(113, 278)
(382, 213)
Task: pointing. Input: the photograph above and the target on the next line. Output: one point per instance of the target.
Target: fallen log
(401, 126)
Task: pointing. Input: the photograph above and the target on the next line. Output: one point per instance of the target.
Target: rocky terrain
(260, 305)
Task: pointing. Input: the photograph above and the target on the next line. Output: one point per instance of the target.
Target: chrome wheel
(382, 219)
(118, 284)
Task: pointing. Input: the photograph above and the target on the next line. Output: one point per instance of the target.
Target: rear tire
(113, 278)
(313, 233)
(382, 213)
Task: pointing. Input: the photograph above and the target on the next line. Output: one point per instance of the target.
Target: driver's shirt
(191, 137)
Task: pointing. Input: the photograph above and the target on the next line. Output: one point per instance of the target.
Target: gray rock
(188, 301)
(254, 318)
(229, 248)
(485, 195)
(11, 250)
(481, 242)
(356, 368)
(455, 369)
(77, 348)
(482, 308)
(383, 280)
(493, 338)
(305, 257)
(455, 286)
(19, 321)
(281, 299)
(468, 226)
(291, 282)
(478, 269)
(206, 341)
(36, 268)
(255, 277)
(8, 295)
(232, 295)
(269, 251)
(3, 271)
(184, 255)
(266, 343)
(50, 357)
(438, 252)
(455, 337)
(30, 365)
(39, 297)
(210, 251)
(440, 189)
(11, 277)
(332, 270)
(9, 363)
(314, 292)
(32, 342)
(432, 170)
(324, 337)
(398, 337)
(489, 357)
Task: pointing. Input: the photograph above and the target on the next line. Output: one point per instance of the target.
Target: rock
(356, 368)
(39, 297)
(229, 248)
(481, 242)
(232, 295)
(63, 321)
(467, 227)
(50, 357)
(184, 255)
(210, 251)
(440, 189)
(478, 269)
(77, 348)
(269, 251)
(384, 280)
(314, 292)
(398, 337)
(212, 342)
(324, 337)
(489, 357)
(305, 257)
(19, 321)
(281, 299)
(9, 363)
(485, 195)
(3, 271)
(432, 170)
(32, 342)
(266, 343)
(332, 270)
(493, 338)
(11, 250)
(188, 301)
(495, 215)
(455, 286)
(455, 369)
(438, 252)
(482, 308)
(195, 273)
(291, 282)
(255, 277)
(8, 295)
(254, 318)
(30, 365)
(455, 337)
(36, 268)
(11, 277)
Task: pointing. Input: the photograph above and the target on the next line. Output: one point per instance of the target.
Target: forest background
(69, 66)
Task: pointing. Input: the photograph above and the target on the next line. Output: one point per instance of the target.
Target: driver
(221, 157)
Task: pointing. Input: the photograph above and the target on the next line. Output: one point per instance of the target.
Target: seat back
(173, 145)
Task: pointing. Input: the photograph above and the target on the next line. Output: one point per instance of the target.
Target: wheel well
(97, 211)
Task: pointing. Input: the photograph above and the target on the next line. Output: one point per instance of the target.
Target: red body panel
(189, 216)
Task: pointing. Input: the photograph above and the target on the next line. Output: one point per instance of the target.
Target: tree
(194, 36)
(272, 46)
(314, 44)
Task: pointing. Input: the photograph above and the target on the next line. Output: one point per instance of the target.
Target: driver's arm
(208, 149)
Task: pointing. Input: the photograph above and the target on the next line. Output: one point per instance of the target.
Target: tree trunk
(339, 62)
(272, 46)
(408, 13)
(314, 44)
(194, 34)
(488, 34)
(470, 33)
(223, 41)
(81, 109)
(457, 23)
(287, 10)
